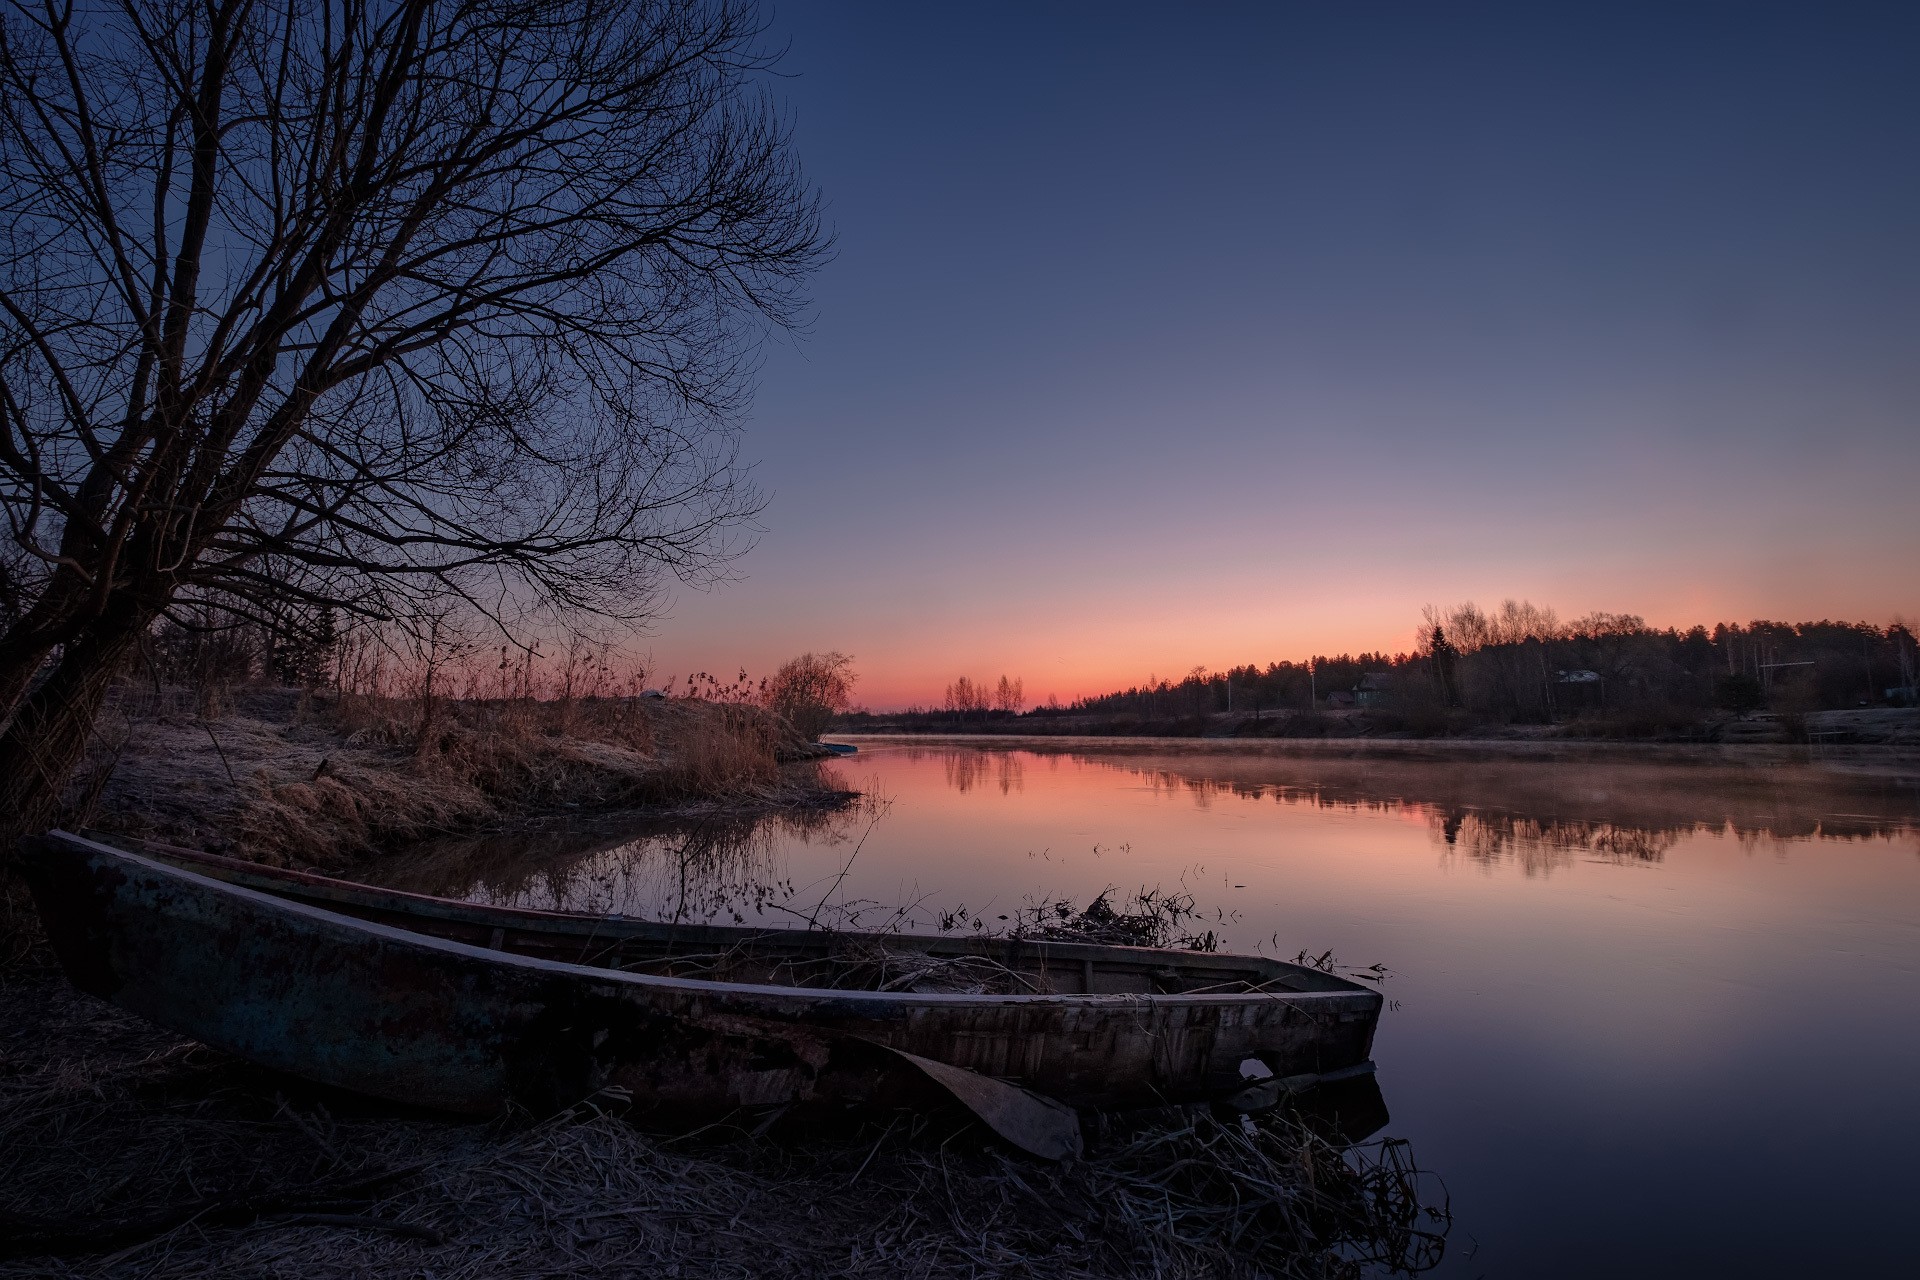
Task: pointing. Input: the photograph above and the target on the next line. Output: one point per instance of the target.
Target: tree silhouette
(1445, 660)
(365, 304)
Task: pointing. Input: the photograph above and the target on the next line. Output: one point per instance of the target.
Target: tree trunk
(18, 665)
(54, 619)
(47, 737)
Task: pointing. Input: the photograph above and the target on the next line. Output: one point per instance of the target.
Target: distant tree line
(966, 696)
(1250, 689)
(1519, 664)
(1516, 664)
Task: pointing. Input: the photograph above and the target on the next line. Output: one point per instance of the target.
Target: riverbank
(286, 777)
(336, 784)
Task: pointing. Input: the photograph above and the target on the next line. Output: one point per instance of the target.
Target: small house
(1579, 689)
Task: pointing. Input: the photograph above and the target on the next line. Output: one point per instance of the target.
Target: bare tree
(965, 696)
(1010, 695)
(363, 302)
(811, 689)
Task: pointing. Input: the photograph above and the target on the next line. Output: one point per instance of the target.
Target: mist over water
(1653, 1019)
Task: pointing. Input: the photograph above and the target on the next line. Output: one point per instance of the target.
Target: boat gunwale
(608, 927)
(804, 997)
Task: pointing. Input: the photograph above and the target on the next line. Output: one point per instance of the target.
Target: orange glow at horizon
(903, 663)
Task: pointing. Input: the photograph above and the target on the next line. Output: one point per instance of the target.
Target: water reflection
(967, 770)
(1603, 978)
(724, 870)
(1539, 847)
(1536, 816)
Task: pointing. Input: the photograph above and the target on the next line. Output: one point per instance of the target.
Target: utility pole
(1312, 695)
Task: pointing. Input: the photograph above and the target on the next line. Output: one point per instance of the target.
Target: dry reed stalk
(324, 783)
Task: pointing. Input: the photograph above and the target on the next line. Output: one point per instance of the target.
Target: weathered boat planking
(465, 1007)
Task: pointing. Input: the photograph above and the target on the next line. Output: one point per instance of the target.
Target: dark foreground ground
(125, 1150)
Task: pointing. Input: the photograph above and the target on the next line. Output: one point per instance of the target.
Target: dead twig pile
(1268, 1195)
(1150, 918)
(868, 965)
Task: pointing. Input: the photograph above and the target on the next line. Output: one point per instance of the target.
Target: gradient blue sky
(1166, 335)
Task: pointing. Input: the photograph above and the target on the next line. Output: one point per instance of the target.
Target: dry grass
(288, 779)
(294, 779)
(19, 924)
(599, 751)
(123, 1151)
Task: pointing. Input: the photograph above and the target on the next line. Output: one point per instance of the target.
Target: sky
(1172, 335)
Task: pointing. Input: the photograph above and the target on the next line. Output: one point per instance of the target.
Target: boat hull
(401, 1015)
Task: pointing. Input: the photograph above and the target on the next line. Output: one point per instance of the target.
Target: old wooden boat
(467, 1007)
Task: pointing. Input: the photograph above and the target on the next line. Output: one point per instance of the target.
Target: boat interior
(810, 958)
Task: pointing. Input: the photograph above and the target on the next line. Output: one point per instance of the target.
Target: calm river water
(1643, 1020)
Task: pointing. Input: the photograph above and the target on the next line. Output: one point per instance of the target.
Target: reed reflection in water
(1525, 812)
(727, 870)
